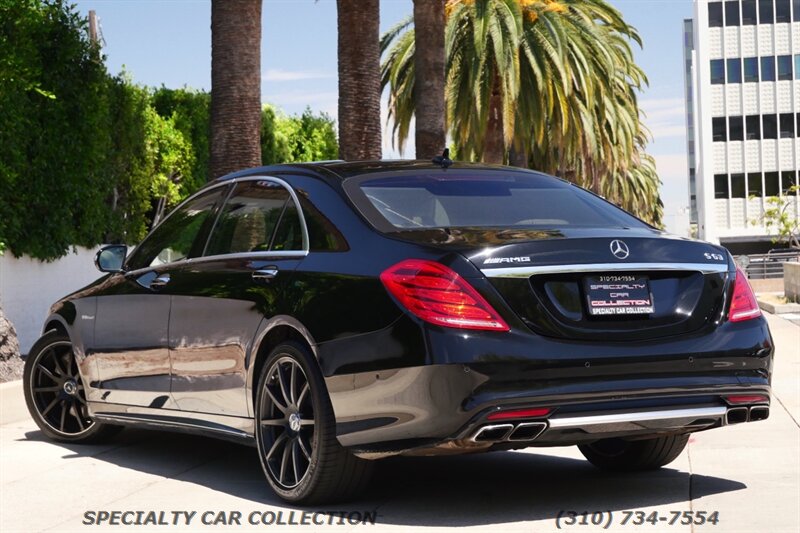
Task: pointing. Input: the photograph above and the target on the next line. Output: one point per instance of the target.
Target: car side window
(323, 236)
(259, 216)
(174, 239)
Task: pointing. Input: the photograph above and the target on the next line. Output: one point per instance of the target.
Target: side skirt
(231, 428)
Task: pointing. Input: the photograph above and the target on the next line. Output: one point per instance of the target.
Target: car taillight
(743, 304)
(519, 413)
(438, 295)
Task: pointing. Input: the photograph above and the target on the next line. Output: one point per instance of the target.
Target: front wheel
(55, 393)
(646, 454)
(296, 432)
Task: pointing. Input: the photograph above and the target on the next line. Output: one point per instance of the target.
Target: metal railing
(767, 266)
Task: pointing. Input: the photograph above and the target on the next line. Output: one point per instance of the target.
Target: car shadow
(464, 490)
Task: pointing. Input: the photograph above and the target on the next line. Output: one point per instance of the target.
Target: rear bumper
(668, 387)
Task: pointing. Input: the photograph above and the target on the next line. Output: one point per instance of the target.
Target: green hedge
(86, 157)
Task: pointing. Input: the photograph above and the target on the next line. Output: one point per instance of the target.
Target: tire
(622, 455)
(291, 447)
(55, 395)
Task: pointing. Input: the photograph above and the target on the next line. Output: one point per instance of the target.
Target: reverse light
(746, 398)
(437, 294)
(743, 304)
(519, 413)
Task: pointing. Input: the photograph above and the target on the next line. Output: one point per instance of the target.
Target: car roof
(348, 169)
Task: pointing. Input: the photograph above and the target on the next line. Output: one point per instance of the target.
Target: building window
(721, 186)
(782, 13)
(769, 125)
(750, 69)
(771, 184)
(797, 66)
(749, 13)
(754, 185)
(753, 123)
(715, 14)
(735, 70)
(737, 186)
(765, 12)
(732, 13)
(718, 129)
(735, 129)
(784, 68)
(798, 124)
(718, 71)
(767, 68)
(789, 180)
(787, 125)
(796, 10)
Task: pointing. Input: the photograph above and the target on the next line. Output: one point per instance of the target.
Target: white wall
(28, 287)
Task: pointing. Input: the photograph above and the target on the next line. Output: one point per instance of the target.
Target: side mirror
(111, 258)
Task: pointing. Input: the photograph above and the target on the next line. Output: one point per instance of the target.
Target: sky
(168, 42)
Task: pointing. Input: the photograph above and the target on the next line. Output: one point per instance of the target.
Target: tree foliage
(87, 157)
(552, 83)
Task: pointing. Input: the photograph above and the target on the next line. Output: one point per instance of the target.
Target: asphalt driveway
(748, 474)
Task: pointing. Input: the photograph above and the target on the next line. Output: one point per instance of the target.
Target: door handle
(265, 275)
(160, 282)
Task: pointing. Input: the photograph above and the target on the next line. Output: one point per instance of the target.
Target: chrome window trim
(528, 271)
(639, 416)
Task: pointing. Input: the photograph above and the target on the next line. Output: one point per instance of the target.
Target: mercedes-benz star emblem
(619, 249)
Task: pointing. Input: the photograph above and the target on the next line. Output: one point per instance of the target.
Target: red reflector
(519, 413)
(438, 295)
(751, 398)
(743, 303)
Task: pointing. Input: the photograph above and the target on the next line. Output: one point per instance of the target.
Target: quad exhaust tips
(737, 415)
(523, 432)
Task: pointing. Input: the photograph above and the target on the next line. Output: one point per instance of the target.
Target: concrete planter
(791, 281)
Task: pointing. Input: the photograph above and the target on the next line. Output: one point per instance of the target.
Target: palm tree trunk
(518, 157)
(429, 23)
(494, 146)
(235, 85)
(359, 79)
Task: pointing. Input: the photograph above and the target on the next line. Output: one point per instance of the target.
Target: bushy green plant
(290, 139)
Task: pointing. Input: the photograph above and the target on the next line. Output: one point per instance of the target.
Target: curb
(12, 403)
(778, 309)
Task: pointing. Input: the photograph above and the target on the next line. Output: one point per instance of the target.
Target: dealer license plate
(618, 295)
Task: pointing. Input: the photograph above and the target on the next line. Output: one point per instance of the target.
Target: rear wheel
(55, 393)
(648, 454)
(296, 432)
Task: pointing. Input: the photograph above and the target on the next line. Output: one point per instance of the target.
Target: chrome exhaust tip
(491, 433)
(759, 413)
(736, 415)
(527, 431)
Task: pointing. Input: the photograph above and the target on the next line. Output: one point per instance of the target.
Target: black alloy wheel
(296, 432)
(55, 393)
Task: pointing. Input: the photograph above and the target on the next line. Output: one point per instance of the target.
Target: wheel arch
(270, 334)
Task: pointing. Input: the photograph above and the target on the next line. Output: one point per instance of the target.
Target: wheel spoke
(79, 399)
(275, 401)
(74, 412)
(50, 406)
(276, 445)
(285, 462)
(306, 422)
(303, 394)
(303, 449)
(59, 369)
(63, 414)
(286, 398)
(292, 384)
(44, 370)
(275, 422)
(295, 468)
(46, 389)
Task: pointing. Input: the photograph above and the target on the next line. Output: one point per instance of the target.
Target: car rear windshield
(486, 199)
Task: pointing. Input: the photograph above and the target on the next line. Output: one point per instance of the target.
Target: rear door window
(259, 216)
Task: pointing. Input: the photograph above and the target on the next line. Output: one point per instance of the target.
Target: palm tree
(235, 85)
(359, 79)
(543, 82)
(429, 133)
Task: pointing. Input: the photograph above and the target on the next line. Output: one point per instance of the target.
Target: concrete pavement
(749, 474)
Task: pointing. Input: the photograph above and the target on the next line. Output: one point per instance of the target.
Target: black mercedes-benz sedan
(336, 313)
